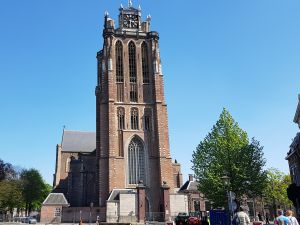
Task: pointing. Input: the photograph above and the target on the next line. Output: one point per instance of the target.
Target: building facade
(293, 156)
(124, 170)
(132, 139)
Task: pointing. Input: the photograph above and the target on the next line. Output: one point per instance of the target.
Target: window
(134, 119)
(147, 123)
(136, 161)
(119, 71)
(120, 92)
(68, 165)
(147, 119)
(133, 93)
(294, 174)
(132, 62)
(57, 212)
(119, 62)
(145, 66)
(121, 118)
(196, 206)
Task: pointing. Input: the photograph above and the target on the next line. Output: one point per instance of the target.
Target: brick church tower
(132, 138)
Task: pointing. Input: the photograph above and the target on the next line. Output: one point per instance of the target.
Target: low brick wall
(72, 214)
(102, 223)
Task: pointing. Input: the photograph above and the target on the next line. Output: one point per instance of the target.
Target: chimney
(191, 178)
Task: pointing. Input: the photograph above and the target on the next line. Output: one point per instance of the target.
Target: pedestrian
(259, 217)
(97, 220)
(281, 219)
(293, 220)
(241, 218)
(267, 218)
(204, 221)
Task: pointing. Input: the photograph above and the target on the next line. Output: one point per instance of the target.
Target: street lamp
(226, 182)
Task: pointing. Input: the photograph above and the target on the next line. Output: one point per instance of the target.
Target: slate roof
(78, 141)
(56, 199)
(189, 186)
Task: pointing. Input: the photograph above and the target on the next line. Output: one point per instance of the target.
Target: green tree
(7, 171)
(226, 150)
(275, 192)
(34, 189)
(47, 189)
(10, 195)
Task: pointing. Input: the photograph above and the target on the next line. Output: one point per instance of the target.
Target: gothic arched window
(121, 118)
(119, 62)
(145, 66)
(132, 62)
(134, 119)
(119, 71)
(136, 161)
(132, 72)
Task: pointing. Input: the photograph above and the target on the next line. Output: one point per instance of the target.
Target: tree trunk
(274, 208)
(26, 209)
(29, 208)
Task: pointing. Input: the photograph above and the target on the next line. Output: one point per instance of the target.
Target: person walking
(281, 219)
(293, 220)
(241, 218)
(267, 218)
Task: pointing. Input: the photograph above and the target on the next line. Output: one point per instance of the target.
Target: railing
(155, 216)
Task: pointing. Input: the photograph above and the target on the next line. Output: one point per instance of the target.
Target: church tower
(132, 138)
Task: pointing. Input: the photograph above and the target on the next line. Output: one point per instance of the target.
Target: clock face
(130, 21)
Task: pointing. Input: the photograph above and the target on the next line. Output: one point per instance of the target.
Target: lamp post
(226, 181)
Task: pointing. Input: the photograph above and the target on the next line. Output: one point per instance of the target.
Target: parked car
(23, 219)
(193, 220)
(30, 220)
(181, 219)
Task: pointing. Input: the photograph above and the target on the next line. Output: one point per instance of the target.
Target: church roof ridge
(78, 141)
(79, 131)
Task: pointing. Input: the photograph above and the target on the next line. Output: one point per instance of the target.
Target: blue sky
(239, 54)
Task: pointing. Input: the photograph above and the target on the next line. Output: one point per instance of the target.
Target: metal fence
(155, 216)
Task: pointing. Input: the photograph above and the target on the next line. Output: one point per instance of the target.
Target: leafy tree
(47, 189)
(275, 192)
(6, 171)
(226, 150)
(10, 195)
(34, 189)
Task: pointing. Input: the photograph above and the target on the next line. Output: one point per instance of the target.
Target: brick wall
(47, 213)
